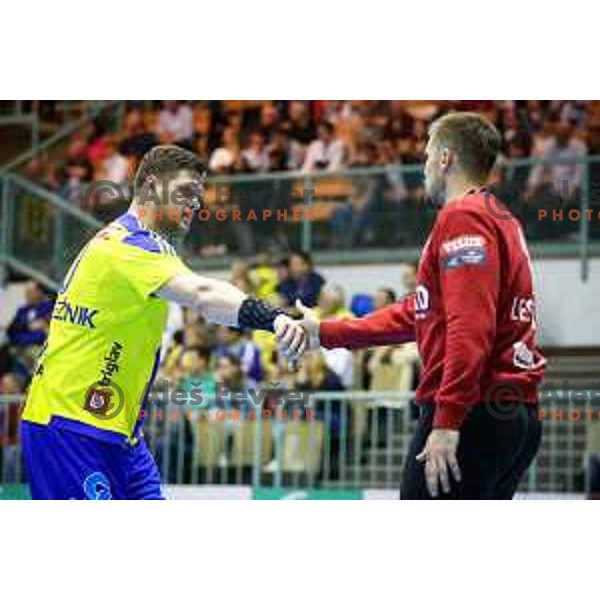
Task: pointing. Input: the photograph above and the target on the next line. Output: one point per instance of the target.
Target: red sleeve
(467, 253)
(393, 324)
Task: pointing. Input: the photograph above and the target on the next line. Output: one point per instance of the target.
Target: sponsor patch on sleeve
(463, 251)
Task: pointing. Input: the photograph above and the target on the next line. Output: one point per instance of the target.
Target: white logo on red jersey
(421, 301)
(464, 250)
(522, 356)
(463, 242)
(523, 310)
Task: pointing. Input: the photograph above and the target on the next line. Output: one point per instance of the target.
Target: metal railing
(350, 441)
(113, 109)
(381, 212)
(40, 232)
(375, 214)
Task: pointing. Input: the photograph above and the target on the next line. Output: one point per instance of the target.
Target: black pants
(497, 444)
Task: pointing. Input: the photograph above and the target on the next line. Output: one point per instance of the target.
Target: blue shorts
(62, 464)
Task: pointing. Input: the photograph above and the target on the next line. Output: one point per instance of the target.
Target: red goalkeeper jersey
(473, 313)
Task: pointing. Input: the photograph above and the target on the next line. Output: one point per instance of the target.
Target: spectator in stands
(79, 173)
(114, 166)
(239, 276)
(137, 140)
(353, 222)
(264, 277)
(391, 368)
(29, 327)
(303, 282)
(239, 269)
(97, 143)
(203, 119)
(232, 342)
(194, 334)
(518, 147)
(283, 269)
(575, 112)
(364, 154)
(384, 297)
(331, 135)
(10, 385)
(230, 374)
(409, 153)
(327, 152)
(299, 125)
(225, 158)
(230, 377)
(398, 123)
(43, 172)
(34, 169)
(566, 178)
(196, 365)
(269, 119)
(255, 156)
(175, 123)
(285, 154)
(332, 305)
(315, 376)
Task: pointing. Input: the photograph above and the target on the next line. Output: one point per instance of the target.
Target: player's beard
(435, 180)
(171, 230)
(435, 190)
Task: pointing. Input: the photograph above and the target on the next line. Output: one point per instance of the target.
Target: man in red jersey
(473, 317)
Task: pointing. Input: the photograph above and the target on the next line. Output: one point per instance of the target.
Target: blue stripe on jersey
(144, 404)
(143, 239)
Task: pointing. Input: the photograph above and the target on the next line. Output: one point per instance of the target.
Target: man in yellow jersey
(81, 426)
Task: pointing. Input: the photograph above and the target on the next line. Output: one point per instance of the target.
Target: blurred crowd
(358, 210)
(199, 355)
(244, 136)
(282, 283)
(255, 354)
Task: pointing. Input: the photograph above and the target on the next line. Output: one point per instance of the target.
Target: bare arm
(216, 300)
(222, 303)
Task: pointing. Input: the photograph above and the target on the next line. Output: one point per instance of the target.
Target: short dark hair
(164, 160)
(389, 293)
(474, 138)
(304, 256)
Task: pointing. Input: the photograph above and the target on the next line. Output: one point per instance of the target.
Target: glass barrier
(360, 210)
(42, 230)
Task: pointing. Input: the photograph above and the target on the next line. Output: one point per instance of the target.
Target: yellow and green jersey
(265, 280)
(105, 333)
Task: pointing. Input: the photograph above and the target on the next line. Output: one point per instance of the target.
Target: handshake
(295, 337)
